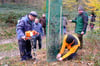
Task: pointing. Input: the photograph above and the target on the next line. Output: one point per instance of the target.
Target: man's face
(80, 11)
(43, 15)
(36, 20)
(31, 17)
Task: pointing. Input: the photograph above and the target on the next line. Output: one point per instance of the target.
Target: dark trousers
(38, 38)
(25, 49)
(80, 36)
(71, 56)
(92, 26)
(44, 28)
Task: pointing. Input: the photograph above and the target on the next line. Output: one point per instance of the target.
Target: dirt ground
(88, 56)
(85, 57)
(41, 56)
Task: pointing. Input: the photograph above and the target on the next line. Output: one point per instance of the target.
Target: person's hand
(58, 56)
(38, 33)
(70, 20)
(23, 37)
(82, 32)
(60, 59)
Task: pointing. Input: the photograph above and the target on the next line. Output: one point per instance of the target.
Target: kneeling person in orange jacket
(72, 43)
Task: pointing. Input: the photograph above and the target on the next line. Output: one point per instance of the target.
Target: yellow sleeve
(71, 51)
(63, 45)
(62, 48)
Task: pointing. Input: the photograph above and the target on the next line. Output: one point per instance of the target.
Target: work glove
(58, 56)
(82, 32)
(70, 20)
(60, 59)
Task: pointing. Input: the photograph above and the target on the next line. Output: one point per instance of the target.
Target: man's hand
(82, 32)
(23, 37)
(70, 20)
(58, 56)
(60, 59)
(38, 33)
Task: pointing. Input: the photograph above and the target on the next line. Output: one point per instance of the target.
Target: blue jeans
(64, 30)
(25, 49)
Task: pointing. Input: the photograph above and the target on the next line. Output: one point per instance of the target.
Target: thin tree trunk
(99, 21)
(2, 2)
(14, 1)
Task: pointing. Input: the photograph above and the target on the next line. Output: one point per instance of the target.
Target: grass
(18, 9)
(88, 56)
(7, 32)
(41, 55)
(97, 23)
(92, 41)
(8, 47)
(97, 63)
(70, 27)
(9, 14)
(6, 58)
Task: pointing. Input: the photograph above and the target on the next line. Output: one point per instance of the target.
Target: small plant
(6, 57)
(97, 63)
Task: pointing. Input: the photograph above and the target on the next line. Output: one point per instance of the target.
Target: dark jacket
(81, 23)
(24, 25)
(93, 18)
(43, 21)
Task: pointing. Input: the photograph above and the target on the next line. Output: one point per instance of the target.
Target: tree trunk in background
(14, 1)
(2, 2)
(99, 21)
(27, 1)
(21, 1)
(79, 3)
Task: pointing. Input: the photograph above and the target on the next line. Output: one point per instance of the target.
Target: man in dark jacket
(81, 22)
(43, 22)
(25, 24)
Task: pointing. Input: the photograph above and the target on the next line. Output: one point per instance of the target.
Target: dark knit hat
(80, 8)
(69, 39)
